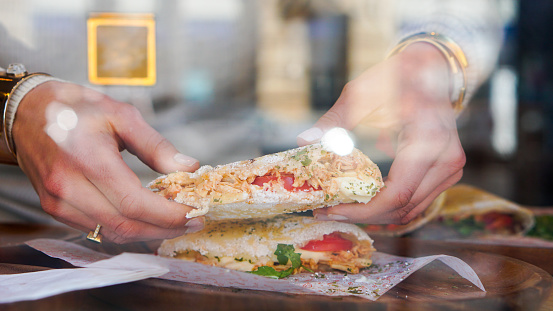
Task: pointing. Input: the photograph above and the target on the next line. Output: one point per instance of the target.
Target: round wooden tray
(511, 284)
(17, 234)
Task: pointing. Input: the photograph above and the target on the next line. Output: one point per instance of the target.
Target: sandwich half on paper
(295, 180)
(275, 247)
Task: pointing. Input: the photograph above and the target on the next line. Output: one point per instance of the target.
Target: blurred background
(235, 79)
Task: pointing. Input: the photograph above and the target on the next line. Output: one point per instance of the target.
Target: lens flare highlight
(338, 140)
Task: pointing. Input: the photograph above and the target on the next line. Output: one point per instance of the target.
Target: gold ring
(95, 235)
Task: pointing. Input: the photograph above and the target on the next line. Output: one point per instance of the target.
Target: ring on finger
(95, 235)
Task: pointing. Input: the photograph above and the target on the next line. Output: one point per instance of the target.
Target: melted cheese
(232, 263)
(316, 256)
(358, 190)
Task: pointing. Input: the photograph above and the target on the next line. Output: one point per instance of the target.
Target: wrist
(15, 83)
(451, 54)
(423, 73)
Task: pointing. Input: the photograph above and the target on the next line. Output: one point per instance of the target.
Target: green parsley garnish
(466, 227)
(543, 227)
(303, 157)
(285, 253)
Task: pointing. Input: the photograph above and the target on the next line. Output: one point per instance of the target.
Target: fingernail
(194, 225)
(334, 217)
(311, 135)
(184, 159)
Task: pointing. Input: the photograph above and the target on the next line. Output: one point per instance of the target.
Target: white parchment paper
(100, 270)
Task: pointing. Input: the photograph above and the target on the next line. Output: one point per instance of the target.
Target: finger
(124, 191)
(424, 204)
(134, 231)
(445, 172)
(441, 175)
(149, 145)
(115, 227)
(415, 158)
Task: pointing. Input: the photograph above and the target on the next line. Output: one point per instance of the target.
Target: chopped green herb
(285, 253)
(466, 227)
(543, 227)
(270, 272)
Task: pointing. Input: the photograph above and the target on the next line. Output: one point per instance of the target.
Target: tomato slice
(261, 180)
(495, 221)
(330, 243)
(370, 228)
(287, 179)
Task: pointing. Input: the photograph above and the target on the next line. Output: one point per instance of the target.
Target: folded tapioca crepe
(474, 212)
(295, 180)
(250, 244)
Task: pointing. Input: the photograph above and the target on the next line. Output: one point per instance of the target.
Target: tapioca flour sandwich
(295, 180)
(276, 246)
(472, 212)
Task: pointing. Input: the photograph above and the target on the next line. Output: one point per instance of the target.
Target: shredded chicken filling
(218, 182)
(350, 261)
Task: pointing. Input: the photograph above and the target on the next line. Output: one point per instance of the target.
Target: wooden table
(523, 280)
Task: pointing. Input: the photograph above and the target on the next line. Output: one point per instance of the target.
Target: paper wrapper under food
(100, 270)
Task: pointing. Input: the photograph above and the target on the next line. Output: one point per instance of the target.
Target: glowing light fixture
(121, 49)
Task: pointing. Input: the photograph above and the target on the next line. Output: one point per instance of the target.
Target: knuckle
(396, 217)
(459, 160)
(455, 163)
(160, 144)
(171, 223)
(130, 111)
(129, 207)
(125, 231)
(406, 219)
(51, 206)
(403, 198)
(403, 206)
(399, 216)
(55, 183)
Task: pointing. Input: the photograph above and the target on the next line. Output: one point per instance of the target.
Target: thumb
(140, 139)
(160, 155)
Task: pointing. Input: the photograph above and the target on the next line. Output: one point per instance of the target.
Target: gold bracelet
(10, 79)
(454, 55)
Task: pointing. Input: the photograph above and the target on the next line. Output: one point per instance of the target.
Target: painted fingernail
(335, 217)
(311, 135)
(194, 225)
(184, 159)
